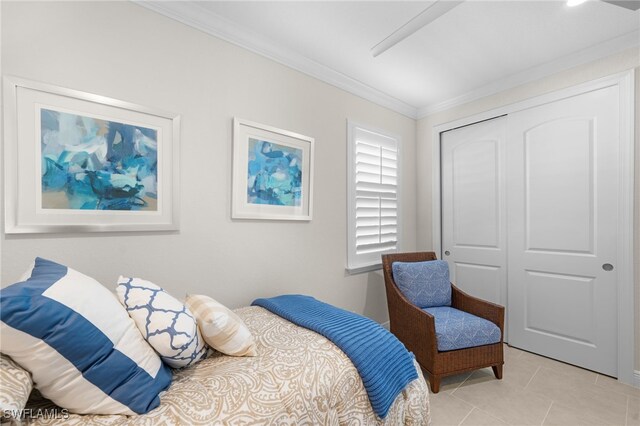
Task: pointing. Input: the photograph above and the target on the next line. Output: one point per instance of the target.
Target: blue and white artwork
(275, 174)
(95, 164)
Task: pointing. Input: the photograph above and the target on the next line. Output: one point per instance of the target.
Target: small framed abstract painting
(78, 162)
(272, 173)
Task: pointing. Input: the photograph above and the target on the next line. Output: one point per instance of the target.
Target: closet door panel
(473, 208)
(560, 177)
(562, 196)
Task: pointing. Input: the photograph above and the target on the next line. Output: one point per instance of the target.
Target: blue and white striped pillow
(82, 349)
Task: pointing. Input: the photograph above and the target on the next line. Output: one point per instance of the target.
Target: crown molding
(590, 54)
(191, 13)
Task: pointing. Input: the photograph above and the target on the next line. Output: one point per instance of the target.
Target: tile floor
(534, 390)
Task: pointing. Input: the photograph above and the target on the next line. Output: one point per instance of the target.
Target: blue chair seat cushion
(457, 329)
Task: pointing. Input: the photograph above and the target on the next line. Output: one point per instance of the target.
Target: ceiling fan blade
(430, 14)
(627, 4)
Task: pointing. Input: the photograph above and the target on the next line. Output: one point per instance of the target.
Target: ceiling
(476, 49)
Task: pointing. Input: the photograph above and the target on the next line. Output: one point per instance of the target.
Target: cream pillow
(221, 328)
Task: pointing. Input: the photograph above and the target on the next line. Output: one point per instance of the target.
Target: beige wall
(123, 51)
(611, 65)
(133, 54)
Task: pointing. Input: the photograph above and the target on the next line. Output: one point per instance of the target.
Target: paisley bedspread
(297, 378)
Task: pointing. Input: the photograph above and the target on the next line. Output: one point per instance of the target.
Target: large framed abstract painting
(78, 162)
(272, 173)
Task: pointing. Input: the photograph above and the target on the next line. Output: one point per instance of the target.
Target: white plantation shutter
(373, 196)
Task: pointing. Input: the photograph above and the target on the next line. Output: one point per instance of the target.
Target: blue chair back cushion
(425, 284)
(457, 329)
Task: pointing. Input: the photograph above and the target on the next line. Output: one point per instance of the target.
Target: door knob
(446, 253)
(607, 267)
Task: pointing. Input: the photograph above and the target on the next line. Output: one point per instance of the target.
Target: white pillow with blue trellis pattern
(165, 322)
(425, 284)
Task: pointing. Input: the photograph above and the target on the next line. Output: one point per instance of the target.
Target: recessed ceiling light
(572, 3)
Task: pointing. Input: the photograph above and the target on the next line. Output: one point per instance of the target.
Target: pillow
(164, 322)
(82, 349)
(425, 284)
(222, 329)
(15, 388)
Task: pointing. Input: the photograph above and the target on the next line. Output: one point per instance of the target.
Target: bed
(297, 378)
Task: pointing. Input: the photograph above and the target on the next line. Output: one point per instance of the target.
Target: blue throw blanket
(384, 364)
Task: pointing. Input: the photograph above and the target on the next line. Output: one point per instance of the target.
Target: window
(373, 196)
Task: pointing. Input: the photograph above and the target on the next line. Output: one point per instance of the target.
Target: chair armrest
(478, 307)
(412, 326)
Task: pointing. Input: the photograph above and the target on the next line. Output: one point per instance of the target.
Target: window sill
(362, 269)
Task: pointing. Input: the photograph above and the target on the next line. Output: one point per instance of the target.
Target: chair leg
(434, 381)
(497, 370)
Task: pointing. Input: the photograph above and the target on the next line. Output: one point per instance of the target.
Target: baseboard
(636, 379)
(386, 326)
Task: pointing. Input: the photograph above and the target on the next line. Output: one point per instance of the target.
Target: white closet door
(473, 208)
(562, 193)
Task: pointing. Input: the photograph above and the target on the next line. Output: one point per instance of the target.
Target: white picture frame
(80, 162)
(272, 173)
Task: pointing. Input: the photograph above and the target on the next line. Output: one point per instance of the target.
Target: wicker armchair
(416, 328)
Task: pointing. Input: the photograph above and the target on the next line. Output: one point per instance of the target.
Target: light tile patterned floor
(535, 391)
